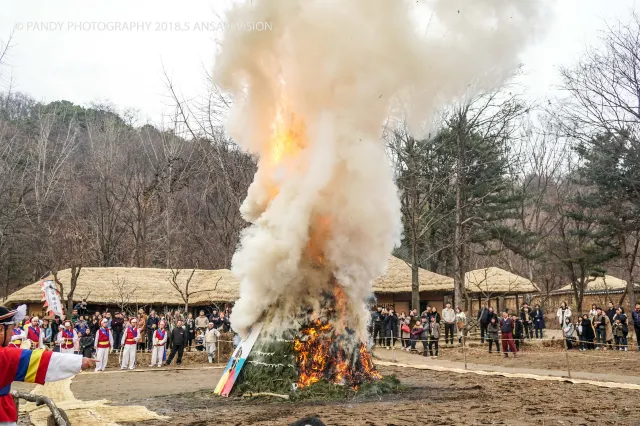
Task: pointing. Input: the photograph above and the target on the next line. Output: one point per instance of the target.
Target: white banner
(51, 297)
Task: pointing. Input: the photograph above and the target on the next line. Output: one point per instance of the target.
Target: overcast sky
(87, 60)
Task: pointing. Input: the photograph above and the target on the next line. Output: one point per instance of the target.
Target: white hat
(104, 320)
(34, 318)
(67, 322)
(133, 320)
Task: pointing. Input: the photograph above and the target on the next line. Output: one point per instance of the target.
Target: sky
(116, 51)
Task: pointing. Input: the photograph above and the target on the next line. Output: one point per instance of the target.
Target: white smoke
(339, 66)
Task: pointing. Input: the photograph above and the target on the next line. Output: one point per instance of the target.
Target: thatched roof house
(600, 285)
(139, 286)
(398, 279)
(496, 281)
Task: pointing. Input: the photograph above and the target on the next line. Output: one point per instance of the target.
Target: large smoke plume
(311, 96)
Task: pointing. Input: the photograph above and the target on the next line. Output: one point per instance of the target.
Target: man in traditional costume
(130, 339)
(67, 338)
(35, 334)
(103, 345)
(24, 365)
(159, 345)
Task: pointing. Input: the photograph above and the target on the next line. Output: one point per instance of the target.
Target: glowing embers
(323, 355)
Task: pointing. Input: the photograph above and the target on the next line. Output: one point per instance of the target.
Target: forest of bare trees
(549, 190)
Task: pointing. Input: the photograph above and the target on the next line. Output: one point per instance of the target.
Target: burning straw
(310, 99)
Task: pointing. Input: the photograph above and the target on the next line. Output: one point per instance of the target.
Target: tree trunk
(415, 287)
(75, 273)
(630, 259)
(459, 266)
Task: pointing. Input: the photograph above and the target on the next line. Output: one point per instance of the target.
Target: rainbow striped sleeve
(33, 366)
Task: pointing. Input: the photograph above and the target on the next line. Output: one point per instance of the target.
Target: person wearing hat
(159, 345)
(129, 342)
(103, 345)
(35, 334)
(29, 366)
(67, 338)
(210, 341)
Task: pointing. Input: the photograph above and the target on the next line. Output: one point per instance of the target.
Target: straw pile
(495, 280)
(398, 279)
(86, 413)
(108, 286)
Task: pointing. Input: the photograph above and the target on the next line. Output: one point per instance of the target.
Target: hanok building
(394, 288)
(498, 288)
(129, 289)
(599, 291)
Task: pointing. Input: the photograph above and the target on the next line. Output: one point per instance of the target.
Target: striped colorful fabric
(33, 365)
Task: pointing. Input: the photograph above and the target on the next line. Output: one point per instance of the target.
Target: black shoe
(178, 364)
(168, 364)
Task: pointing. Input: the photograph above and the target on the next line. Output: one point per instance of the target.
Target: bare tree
(183, 287)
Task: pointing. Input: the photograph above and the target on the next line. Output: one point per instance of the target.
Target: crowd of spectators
(598, 329)
(86, 325)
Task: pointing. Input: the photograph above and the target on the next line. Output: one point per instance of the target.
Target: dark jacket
(116, 324)
(506, 325)
(376, 319)
(623, 321)
(190, 326)
(492, 331)
(55, 328)
(518, 330)
(391, 324)
(151, 321)
(611, 312)
(483, 316)
(432, 314)
(635, 316)
(538, 318)
(86, 345)
(178, 336)
(587, 330)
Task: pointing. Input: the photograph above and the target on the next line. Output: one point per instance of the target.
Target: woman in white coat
(563, 313)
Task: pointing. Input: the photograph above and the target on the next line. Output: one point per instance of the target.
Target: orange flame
(320, 355)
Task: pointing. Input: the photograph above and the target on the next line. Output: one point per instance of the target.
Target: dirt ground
(432, 398)
(534, 355)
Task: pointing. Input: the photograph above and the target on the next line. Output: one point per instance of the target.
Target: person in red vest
(66, 338)
(34, 334)
(103, 345)
(159, 342)
(130, 339)
(24, 365)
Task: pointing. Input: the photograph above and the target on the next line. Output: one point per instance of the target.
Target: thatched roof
(109, 286)
(598, 285)
(496, 281)
(398, 279)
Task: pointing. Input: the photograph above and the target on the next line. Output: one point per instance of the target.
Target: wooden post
(464, 349)
(566, 354)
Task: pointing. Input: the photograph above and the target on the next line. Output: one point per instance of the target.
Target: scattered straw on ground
(513, 375)
(86, 413)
